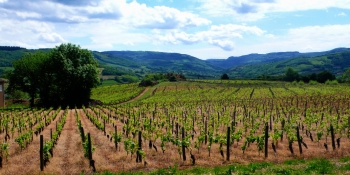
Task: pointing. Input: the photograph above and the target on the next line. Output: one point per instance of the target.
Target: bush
(312, 82)
(332, 82)
(295, 82)
(301, 82)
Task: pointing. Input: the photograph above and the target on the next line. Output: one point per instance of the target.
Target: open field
(186, 119)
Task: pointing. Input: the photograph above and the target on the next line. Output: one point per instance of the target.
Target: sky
(206, 29)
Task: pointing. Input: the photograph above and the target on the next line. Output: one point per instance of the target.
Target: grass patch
(294, 162)
(295, 167)
(344, 159)
(109, 83)
(319, 166)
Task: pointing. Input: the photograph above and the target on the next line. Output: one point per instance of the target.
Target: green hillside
(166, 62)
(135, 63)
(252, 59)
(139, 63)
(336, 63)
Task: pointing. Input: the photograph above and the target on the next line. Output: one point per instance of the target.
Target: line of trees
(153, 79)
(321, 77)
(62, 77)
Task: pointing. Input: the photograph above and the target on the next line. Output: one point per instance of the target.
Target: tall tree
(346, 76)
(224, 77)
(26, 74)
(62, 77)
(323, 76)
(291, 75)
(75, 73)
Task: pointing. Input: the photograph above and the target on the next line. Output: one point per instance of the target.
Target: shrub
(312, 82)
(332, 82)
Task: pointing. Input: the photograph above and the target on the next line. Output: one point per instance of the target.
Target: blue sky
(201, 28)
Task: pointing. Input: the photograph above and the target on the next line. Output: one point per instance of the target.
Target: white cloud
(251, 10)
(133, 14)
(218, 35)
(160, 17)
(51, 38)
(342, 14)
(223, 44)
(43, 23)
(303, 39)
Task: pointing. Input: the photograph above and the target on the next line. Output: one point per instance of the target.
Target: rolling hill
(253, 59)
(162, 62)
(139, 63)
(336, 61)
(131, 61)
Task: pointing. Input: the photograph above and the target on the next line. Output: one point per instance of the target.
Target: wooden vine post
(183, 145)
(228, 144)
(51, 133)
(115, 138)
(266, 139)
(299, 141)
(104, 126)
(41, 152)
(139, 148)
(206, 132)
(92, 162)
(332, 134)
(82, 134)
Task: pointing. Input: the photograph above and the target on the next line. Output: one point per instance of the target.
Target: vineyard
(197, 123)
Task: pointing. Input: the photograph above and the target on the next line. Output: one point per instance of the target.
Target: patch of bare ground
(68, 156)
(27, 161)
(106, 156)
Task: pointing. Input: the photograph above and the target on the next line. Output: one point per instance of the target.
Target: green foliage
(153, 79)
(24, 139)
(313, 82)
(86, 146)
(319, 166)
(17, 95)
(291, 75)
(116, 93)
(332, 82)
(346, 76)
(126, 79)
(62, 77)
(224, 77)
(4, 150)
(323, 76)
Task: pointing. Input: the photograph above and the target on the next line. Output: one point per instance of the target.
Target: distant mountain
(140, 63)
(161, 62)
(335, 61)
(134, 61)
(252, 59)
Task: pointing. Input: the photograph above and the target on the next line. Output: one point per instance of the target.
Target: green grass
(298, 166)
(109, 83)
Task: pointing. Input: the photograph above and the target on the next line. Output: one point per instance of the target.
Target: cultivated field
(184, 124)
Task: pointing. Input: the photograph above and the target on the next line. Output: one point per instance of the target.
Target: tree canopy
(291, 75)
(224, 77)
(62, 77)
(346, 76)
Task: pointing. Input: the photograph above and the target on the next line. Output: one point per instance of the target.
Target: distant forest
(11, 48)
